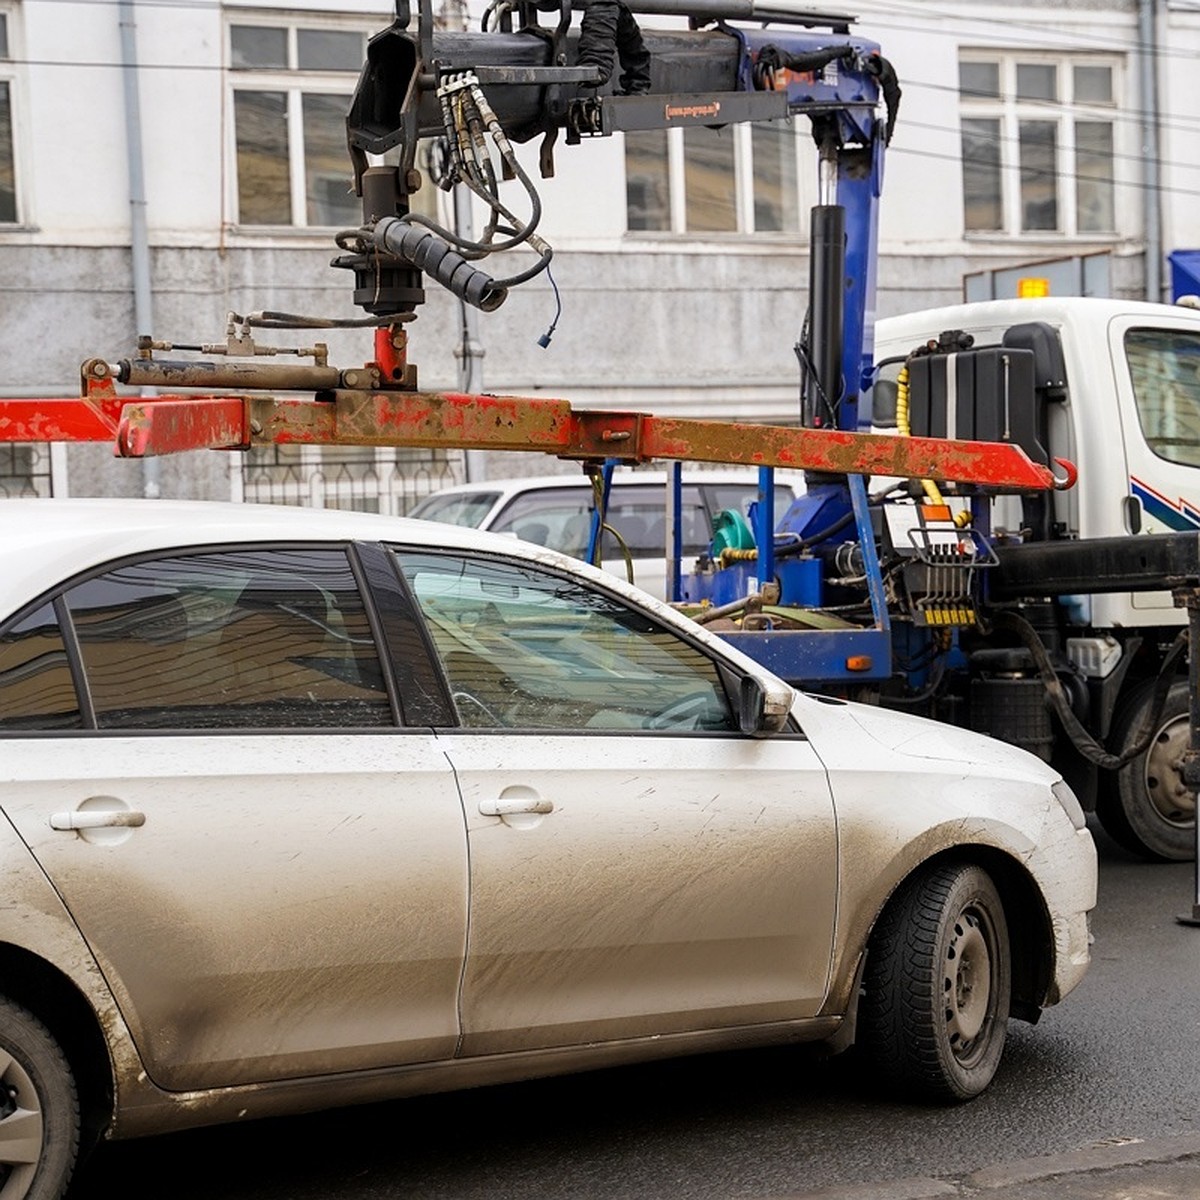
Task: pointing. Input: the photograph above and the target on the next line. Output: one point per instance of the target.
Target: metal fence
(388, 481)
(25, 471)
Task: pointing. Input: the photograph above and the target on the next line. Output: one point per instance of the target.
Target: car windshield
(457, 508)
(1164, 367)
(561, 517)
(739, 497)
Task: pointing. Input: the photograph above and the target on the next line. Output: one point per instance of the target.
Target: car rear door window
(524, 648)
(36, 687)
(263, 638)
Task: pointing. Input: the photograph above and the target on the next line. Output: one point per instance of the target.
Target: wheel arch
(1030, 930)
(54, 999)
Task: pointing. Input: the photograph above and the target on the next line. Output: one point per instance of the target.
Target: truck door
(1157, 371)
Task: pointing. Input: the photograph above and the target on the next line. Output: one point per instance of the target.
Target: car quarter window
(36, 687)
(524, 648)
(271, 638)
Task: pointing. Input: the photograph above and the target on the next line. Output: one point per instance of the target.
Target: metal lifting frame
(352, 416)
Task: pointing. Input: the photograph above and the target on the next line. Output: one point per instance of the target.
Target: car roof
(47, 541)
(53, 538)
(692, 473)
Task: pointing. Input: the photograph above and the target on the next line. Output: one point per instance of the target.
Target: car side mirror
(756, 716)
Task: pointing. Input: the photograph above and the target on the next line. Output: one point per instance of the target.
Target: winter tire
(934, 1012)
(39, 1110)
(1145, 806)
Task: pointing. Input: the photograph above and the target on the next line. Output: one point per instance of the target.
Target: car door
(270, 874)
(638, 865)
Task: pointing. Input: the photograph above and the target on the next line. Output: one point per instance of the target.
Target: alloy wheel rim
(21, 1128)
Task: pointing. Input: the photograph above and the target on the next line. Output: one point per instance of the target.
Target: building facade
(164, 163)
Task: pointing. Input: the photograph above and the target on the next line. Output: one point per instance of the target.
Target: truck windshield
(1164, 366)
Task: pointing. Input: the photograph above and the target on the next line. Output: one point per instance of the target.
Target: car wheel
(1145, 806)
(39, 1110)
(934, 1010)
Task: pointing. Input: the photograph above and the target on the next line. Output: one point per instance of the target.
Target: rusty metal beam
(169, 424)
(455, 420)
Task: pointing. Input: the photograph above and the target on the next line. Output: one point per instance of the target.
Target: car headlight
(1071, 806)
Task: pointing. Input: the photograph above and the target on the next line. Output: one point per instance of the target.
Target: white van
(555, 511)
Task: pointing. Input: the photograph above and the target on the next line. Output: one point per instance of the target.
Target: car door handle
(508, 805)
(98, 819)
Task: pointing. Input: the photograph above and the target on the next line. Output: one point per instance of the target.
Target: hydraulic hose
(1083, 741)
(427, 252)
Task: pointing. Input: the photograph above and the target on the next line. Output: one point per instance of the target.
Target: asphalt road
(1116, 1065)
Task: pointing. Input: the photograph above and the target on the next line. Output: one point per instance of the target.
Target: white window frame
(11, 74)
(295, 82)
(1063, 113)
(743, 191)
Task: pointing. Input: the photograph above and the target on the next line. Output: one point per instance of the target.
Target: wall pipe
(470, 350)
(139, 239)
(1148, 87)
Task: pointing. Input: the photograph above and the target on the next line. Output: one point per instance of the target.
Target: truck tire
(934, 1010)
(1144, 806)
(39, 1110)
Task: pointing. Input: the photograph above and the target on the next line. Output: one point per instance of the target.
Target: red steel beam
(90, 419)
(170, 424)
(454, 420)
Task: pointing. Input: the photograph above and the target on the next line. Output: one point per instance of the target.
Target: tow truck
(907, 596)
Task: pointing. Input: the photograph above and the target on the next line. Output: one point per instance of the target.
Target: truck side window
(1164, 368)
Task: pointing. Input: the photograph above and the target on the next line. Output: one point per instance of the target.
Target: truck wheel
(39, 1110)
(934, 1010)
(1144, 806)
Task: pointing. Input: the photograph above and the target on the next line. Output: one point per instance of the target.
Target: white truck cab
(1129, 419)
(1127, 414)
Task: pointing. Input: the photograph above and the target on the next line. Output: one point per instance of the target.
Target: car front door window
(526, 649)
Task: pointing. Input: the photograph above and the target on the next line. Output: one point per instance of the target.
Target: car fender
(34, 919)
(906, 792)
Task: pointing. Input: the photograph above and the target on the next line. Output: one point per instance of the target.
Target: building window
(1037, 144)
(291, 88)
(25, 470)
(738, 179)
(8, 165)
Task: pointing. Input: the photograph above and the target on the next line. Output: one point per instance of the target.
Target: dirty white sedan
(304, 809)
